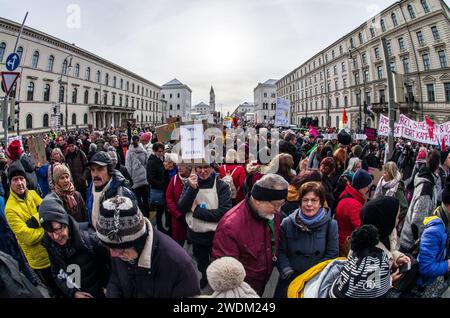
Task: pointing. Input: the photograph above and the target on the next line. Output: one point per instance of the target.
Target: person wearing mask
(77, 163)
(256, 247)
(307, 237)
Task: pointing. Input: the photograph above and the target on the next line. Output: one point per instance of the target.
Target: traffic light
(14, 110)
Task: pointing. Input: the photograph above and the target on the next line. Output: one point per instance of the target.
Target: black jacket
(287, 147)
(82, 249)
(187, 199)
(157, 176)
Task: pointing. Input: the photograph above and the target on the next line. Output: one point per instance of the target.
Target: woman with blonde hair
(57, 158)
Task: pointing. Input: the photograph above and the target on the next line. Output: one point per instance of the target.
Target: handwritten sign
(192, 142)
(36, 146)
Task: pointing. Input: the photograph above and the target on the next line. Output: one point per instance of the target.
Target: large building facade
(179, 100)
(265, 101)
(56, 75)
(351, 72)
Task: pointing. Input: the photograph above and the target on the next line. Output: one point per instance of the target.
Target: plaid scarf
(68, 196)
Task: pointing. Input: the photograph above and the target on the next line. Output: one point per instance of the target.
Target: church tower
(212, 100)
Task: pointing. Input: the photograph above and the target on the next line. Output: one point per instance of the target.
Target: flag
(368, 110)
(430, 125)
(443, 146)
(312, 131)
(344, 117)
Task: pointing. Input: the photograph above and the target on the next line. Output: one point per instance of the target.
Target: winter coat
(173, 195)
(120, 156)
(42, 177)
(287, 147)
(164, 270)
(187, 200)
(18, 211)
(80, 211)
(348, 214)
(254, 173)
(136, 164)
(384, 189)
(77, 163)
(244, 235)
(28, 165)
(327, 184)
(433, 256)
(422, 205)
(82, 249)
(238, 178)
(157, 176)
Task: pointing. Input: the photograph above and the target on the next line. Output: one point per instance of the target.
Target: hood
(354, 193)
(433, 220)
(138, 149)
(75, 241)
(314, 226)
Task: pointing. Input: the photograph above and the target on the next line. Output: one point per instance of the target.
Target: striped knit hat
(120, 223)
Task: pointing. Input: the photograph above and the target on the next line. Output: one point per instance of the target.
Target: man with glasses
(249, 232)
(205, 199)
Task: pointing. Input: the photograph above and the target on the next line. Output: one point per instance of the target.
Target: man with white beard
(249, 232)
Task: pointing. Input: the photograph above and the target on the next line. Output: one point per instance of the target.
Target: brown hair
(314, 187)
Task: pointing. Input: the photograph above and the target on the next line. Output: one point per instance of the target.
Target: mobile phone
(404, 268)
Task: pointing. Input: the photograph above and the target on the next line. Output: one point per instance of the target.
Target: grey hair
(92, 147)
(352, 164)
(273, 181)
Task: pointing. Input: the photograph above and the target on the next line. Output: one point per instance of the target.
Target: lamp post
(364, 85)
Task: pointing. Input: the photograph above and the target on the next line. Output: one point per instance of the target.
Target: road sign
(12, 62)
(8, 80)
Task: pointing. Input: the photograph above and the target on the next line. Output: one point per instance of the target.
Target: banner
(36, 147)
(371, 133)
(282, 113)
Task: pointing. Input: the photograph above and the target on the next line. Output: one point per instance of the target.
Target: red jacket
(173, 194)
(348, 213)
(245, 236)
(238, 178)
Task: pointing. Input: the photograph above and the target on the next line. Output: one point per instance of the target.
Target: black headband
(264, 194)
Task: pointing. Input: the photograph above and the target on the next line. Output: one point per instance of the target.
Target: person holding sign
(205, 200)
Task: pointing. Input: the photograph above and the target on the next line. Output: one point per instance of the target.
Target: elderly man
(249, 232)
(106, 183)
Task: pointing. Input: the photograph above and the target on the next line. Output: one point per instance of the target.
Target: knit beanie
(14, 150)
(146, 137)
(422, 156)
(52, 210)
(226, 277)
(361, 179)
(16, 169)
(58, 171)
(120, 223)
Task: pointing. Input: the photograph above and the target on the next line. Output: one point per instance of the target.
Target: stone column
(104, 120)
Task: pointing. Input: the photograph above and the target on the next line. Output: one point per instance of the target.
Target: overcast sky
(230, 44)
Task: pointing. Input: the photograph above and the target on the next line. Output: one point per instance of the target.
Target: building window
(126, 101)
(19, 51)
(345, 83)
(337, 121)
(383, 26)
(105, 99)
(406, 65)
(393, 66)
(343, 66)
(170, 107)
(447, 92)
(360, 37)
(77, 70)
(74, 119)
(85, 119)
(46, 92)
(64, 67)
(335, 70)
(420, 38)
(97, 77)
(352, 45)
(2, 50)
(132, 88)
(394, 19)
(138, 89)
(357, 78)
(35, 59)
(380, 72)
(442, 59)
(61, 94)
(29, 121)
(96, 98)
(120, 100)
(114, 100)
(51, 61)
(430, 92)
(425, 6)
(389, 48)
(426, 62)
(401, 44)
(411, 12)
(74, 96)
(377, 53)
(358, 99)
(332, 55)
(345, 101)
(88, 74)
(106, 79)
(114, 81)
(45, 121)
(364, 58)
(336, 85)
(121, 83)
(178, 95)
(382, 96)
(128, 86)
(372, 32)
(337, 102)
(435, 32)
(366, 75)
(86, 97)
(30, 91)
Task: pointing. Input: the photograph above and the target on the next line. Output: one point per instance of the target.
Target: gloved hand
(32, 223)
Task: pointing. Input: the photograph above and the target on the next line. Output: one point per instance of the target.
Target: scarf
(305, 222)
(388, 188)
(68, 196)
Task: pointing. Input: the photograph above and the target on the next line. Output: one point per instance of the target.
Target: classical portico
(103, 116)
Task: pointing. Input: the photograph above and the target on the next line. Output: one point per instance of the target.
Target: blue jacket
(42, 177)
(432, 251)
(118, 182)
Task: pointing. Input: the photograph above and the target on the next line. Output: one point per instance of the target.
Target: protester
(14, 152)
(77, 162)
(237, 173)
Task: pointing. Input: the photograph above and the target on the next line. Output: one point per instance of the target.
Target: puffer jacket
(136, 164)
(18, 211)
(422, 205)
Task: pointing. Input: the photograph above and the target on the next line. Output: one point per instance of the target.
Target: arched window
(74, 119)
(30, 91)
(114, 81)
(97, 77)
(425, 6)
(86, 96)
(337, 121)
(74, 96)
(85, 119)
(106, 79)
(114, 100)
(132, 87)
(138, 89)
(51, 61)
(35, 59)
(45, 121)
(128, 86)
(61, 94)
(120, 100)
(96, 98)
(64, 67)
(146, 118)
(77, 70)
(137, 118)
(105, 99)
(411, 12)
(360, 37)
(2, 50)
(121, 83)
(383, 26)
(19, 52)
(29, 121)
(46, 93)
(61, 119)
(394, 19)
(88, 74)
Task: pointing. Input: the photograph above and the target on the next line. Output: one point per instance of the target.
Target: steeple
(212, 100)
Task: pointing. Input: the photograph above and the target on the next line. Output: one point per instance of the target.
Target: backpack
(228, 179)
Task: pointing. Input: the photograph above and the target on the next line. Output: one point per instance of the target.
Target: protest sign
(36, 147)
(164, 132)
(371, 133)
(282, 113)
(192, 141)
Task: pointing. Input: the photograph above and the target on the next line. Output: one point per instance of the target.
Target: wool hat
(361, 179)
(16, 169)
(14, 150)
(100, 158)
(146, 137)
(52, 210)
(226, 277)
(58, 171)
(120, 223)
(422, 156)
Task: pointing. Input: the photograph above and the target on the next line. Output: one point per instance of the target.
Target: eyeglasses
(313, 201)
(55, 231)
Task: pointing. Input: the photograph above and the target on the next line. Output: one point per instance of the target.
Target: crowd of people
(118, 213)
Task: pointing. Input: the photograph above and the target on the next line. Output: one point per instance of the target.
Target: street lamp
(364, 84)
